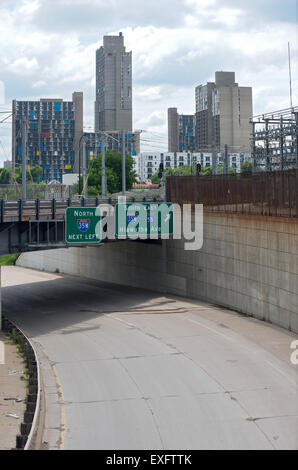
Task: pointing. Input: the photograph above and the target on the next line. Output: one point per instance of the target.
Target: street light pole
(103, 167)
(226, 161)
(214, 158)
(24, 159)
(123, 165)
(80, 165)
(84, 170)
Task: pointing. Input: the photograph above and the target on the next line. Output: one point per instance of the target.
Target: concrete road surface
(126, 368)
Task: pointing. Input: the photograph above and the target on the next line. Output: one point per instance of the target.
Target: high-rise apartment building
(54, 128)
(204, 117)
(186, 133)
(223, 112)
(181, 131)
(113, 105)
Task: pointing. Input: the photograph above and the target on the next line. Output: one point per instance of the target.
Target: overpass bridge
(40, 225)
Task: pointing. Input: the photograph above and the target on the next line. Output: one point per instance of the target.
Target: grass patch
(8, 260)
(15, 338)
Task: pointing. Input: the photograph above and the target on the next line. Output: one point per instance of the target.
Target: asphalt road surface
(140, 370)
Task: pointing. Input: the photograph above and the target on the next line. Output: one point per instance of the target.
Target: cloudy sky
(48, 50)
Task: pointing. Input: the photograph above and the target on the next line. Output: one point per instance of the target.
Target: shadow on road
(59, 304)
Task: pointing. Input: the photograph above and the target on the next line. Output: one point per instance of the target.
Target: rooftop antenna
(290, 75)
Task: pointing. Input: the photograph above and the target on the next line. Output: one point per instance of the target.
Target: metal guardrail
(28, 427)
(54, 208)
(266, 193)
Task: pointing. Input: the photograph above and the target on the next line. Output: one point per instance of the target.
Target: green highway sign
(82, 225)
(144, 220)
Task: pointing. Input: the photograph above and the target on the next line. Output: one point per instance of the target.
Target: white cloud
(24, 66)
(29, 6)
(50, 46)
(39, 84)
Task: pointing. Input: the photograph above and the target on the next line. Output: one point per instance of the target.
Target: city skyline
(50, 48)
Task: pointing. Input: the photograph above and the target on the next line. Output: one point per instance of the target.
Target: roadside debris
(17, 400)
(15, 372)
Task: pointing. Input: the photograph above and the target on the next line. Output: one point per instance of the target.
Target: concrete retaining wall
(247, 263)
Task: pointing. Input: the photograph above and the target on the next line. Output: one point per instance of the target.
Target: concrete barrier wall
(247, 263)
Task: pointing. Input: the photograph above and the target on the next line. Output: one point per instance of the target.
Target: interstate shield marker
(82, 225)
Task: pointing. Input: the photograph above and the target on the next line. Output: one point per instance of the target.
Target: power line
(3, 149)
(5, 119)
(156, 134)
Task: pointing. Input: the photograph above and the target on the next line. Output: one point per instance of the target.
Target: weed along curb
(28, 428)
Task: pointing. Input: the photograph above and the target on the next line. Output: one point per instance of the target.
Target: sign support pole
(85, 189)
(123, 165)
(103, 167)
(24, 159)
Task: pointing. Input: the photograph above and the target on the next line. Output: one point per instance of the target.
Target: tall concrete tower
(113, 105)
(173, 130)
(181, 131)
(223, 112)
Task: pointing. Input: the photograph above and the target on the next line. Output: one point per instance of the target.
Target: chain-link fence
(13, 192)
(267, 193)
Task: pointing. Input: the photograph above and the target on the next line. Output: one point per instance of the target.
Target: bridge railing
(54, 208)
(266, 193)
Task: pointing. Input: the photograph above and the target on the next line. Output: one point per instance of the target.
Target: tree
(36, 172)
(33, 174)
(5, 176)
(155, 179)
(221, 167)
(185, 170)
(246, 167)
(207, 171)
(113, 173)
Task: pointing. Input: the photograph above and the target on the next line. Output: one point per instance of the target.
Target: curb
(24, 440)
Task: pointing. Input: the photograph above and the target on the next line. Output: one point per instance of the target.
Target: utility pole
(290, 75)
(85, 188)
(281, 143)
(296, 119)
(226, 161)
(103, 167)
(268, 157)
(254, 156)
(193, 168)
(123, 165)
(214, 158)
(24, 159)
(164, 188)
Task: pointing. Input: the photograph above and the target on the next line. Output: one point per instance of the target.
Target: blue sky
(48, 50)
